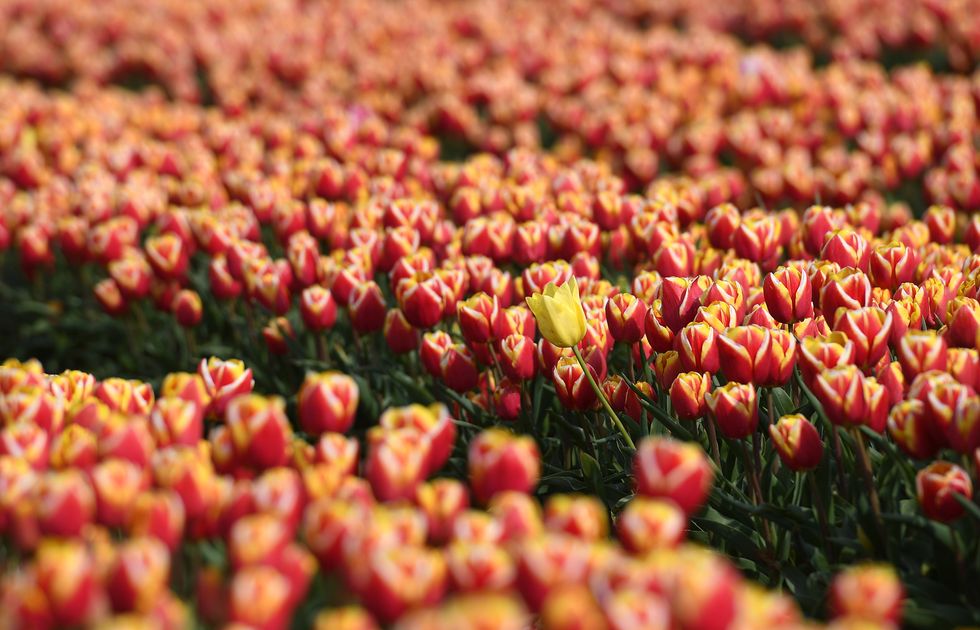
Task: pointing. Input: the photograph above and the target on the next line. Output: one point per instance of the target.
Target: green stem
(602, 398)
(869, 483)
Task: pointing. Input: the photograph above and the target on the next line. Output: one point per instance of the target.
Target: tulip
(920, 351)
(516, 515)
(648, 524)
(500, 461)
(572, 607)
(65, 504)
(260, 598)
(187, 308)
(318, 308)
(680, 299)
(559, 315)
(327, 402)
(625, 314)
(367, 307)
(260, 430)
(697, 348)
(734, 408)
(517, 356)
(548, 562)
(158, 514)
(478, 316)
(401, 337)
(671, 470)
(345, 618)
(746, 353)
(797, 442)
(223, 381)
(475, 567)
(963, 322)
(788, 294)
(936, 487)
(441, 501)
(870, 329)
(688, 394)
(660, 336)
(847, 289)
(581, 516)
(869, 592)
(396, 463)
(66, 574)
(433, 422)
(139, 574)
(404, 577)
(458, 368)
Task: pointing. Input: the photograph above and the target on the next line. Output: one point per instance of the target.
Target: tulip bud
(697, 348)
(478, 317)
(660, 336)
(500, 461)
(548, 562)
(891, 264)
(260, 430)
(317, 308)
(847, 289)
(625, 314)
(746, 353)
(920, 351)
(327, 402)
(797, 442)
(479, 567)
(110, 298)
(277, 334)
(458, 368)
(367, 307)
(687, 394)
(260, 598)
(649, 524)
(434, 422)
(223, 381)
(666, 367)
(176, 421)
(441, 501)
(139, 574)
(64, 504)
(400, 336)
(403, 577)
(572, 607)
(680, 299)
(572, 384)
(676, 471)
(66, 573)
(517, 356)
(187, 308)
(734, 408)
(908, 427)
(847, 248)
(158, 514)
(788, 294)
(869, 592)
(963, 322)
(870, 329)
(581, 516)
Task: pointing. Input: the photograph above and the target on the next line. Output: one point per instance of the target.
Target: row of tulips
(115, 500)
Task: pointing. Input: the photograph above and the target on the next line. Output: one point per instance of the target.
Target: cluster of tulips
(111, 496)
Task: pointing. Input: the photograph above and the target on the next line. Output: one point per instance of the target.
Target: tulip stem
(869, 482)
(713, 440)
(602, 397)
(321, 346)
(748, 462)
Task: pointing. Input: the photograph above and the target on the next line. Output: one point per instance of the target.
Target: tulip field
(489, 314)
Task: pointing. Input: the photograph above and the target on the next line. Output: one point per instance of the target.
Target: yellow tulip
(559, 313)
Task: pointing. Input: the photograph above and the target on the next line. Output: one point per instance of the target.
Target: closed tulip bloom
(400, 336)
(746, 354)
(559, 314)
(697, 348)
(963, 322)
(824, 352)
(687, 394)
(841, 392)
(680, 299)
(870, 330)
(847, 289)
(892, 264)
(646, 524)
(666, 367)
(572, 384)
(920, 351)
(788, 294)
(797, 442)
(735, 409)
(868, 592)
(317, 308)
(847, 248)
(625, 315)
(517, 356)
(674, 471)
(327, 402)
(936, 487)
(367, 307)
(478, 316)
(909, 428)
(187, 308)
(660, 336)
(500, 461)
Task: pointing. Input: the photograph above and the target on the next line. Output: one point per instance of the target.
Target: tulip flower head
(559, 313)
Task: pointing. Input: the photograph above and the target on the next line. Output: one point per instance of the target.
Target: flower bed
(569, 317)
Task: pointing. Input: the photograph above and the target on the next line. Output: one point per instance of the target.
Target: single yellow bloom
(559, 313)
